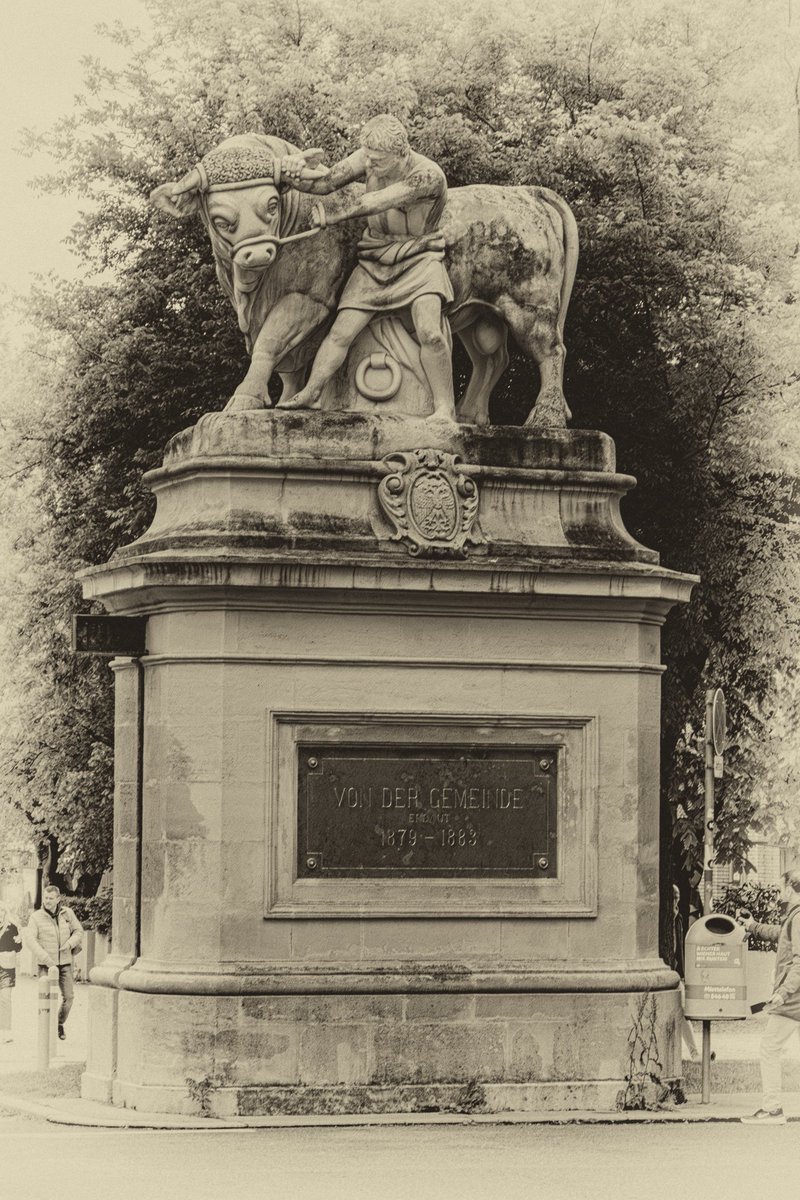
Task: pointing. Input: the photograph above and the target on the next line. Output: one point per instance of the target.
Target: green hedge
(762, 902)
(93, 912)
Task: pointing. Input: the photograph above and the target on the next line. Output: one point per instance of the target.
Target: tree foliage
(763, 902)
(670, 128)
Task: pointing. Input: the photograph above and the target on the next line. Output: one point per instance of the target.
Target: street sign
(96, 633)
(719, 766)
(719, 722)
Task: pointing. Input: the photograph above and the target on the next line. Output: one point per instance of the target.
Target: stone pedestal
(293, 616)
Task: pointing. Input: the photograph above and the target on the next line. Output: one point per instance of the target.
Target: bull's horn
(180, 197)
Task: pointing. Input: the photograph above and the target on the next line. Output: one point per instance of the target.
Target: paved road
(711, 1162)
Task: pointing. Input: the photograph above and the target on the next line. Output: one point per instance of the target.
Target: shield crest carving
(432, 500)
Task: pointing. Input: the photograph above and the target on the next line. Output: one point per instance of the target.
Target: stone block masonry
(253, 971)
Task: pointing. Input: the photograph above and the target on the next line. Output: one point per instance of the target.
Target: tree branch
(591, 48)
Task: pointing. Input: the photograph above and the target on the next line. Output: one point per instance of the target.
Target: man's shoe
(61, 1033)
(765, 1116)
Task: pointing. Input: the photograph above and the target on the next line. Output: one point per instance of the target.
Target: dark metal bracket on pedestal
(111, 637)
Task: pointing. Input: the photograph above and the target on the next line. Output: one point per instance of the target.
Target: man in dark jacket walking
(784, 1007)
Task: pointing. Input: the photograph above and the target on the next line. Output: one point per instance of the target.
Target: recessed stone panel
(373, 815)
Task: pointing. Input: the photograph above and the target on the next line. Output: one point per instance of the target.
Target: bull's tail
(570, 235)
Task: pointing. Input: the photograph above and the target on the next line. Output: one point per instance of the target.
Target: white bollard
(43, 1028)
(55, 1004)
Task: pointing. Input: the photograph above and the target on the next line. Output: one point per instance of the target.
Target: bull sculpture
(283, 260)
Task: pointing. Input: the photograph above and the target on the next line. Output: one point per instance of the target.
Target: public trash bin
(716, 970)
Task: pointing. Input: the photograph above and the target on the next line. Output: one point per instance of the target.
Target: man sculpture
(400, 256)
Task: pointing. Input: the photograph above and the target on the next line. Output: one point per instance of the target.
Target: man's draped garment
(395, 269)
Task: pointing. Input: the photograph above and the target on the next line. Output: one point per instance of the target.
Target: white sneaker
(764, 1116)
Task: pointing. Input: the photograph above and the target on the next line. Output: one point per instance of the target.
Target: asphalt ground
(653, 1162)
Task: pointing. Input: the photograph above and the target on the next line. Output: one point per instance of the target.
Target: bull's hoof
(480, 421)
(244, 402)
(550, 411)
(466, 416)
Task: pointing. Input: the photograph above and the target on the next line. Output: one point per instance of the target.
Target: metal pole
(43, 1028)
(708, 832)
(708, 880)
(137, 946)
(55, 1004)
(706, 1098)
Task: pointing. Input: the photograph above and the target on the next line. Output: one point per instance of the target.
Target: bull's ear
(181, 198)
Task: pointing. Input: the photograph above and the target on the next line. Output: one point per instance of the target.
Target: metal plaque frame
(403, 811)
(568, 888)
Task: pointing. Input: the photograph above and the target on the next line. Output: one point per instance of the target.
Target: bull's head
(236, 188)
(248, 221)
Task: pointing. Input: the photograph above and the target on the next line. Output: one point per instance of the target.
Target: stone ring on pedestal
(382, 363)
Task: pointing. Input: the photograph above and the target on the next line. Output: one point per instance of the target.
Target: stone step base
(299, 1100)
(595, 1095)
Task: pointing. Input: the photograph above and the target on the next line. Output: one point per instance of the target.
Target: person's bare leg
(330, 356)
(435, 353)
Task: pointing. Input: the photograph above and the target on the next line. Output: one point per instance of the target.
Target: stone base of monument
(387, 777)
(379, 1052)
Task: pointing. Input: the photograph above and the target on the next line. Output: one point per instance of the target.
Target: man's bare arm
(295, 171)
(424, 184)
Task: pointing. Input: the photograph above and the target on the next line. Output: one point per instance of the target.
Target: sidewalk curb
(34, 1108)
(175, 1123)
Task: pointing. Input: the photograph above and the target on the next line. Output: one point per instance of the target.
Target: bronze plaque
(368, 811)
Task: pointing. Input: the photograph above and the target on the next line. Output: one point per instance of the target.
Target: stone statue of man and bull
(317, 293)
